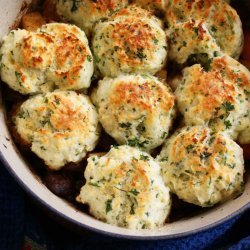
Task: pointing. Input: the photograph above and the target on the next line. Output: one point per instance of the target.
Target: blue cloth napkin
(20, 219)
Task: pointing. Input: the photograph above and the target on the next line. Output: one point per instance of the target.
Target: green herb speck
(89, 58)
(134, 192)
(108, 206)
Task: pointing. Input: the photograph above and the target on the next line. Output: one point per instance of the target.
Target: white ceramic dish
(33, 185)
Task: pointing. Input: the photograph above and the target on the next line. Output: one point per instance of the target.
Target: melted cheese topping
(125, 188)
(128, 44)
(61, 127)
(56, 56)
(135, 110)
(202, 167)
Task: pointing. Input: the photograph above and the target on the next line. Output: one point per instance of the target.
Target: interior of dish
(67, 182)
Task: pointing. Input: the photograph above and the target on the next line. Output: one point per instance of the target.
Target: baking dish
(32, 183)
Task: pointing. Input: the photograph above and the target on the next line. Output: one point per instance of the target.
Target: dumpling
(60, 127)
(137, 110)
(132, 41)
(125, 188)
(202, 167)
(221, 20)
(190, 42)
(217, 97)
(55, 56)
(85, 13)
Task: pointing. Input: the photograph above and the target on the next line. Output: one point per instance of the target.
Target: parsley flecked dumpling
(157, 6)
(85, 13)
(191, 41)
(125, 188)
(56, 56)
(137, 110)
(217, 98)
(60, 127)
(219, 17)
(131, 41)
(201, 166)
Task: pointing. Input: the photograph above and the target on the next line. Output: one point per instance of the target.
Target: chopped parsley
(144, 158)
(213, 29)
(211, 140)
(18, 77)
(21, 114)
(216, 53)
(205, 155)
(228, 124)
(232, 166)
(164, 135)
(190, 148)
(137, 143)
(196, 31)
(94, 184)
(126, 125)
(246, 92)
(230, 21)
(155, 41)
(164, 159)
(89, 58)
(140, 54)
(108, 206)
(46, 119)
(43, 148)
(228, 106)
(132, 209)
(134, 192)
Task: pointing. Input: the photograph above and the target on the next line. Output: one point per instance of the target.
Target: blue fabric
(20, 218)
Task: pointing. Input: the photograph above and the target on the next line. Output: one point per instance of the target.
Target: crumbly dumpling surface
(135, 110)
(61, 127)
(157, 6)
(244, 134)
(202, 167)
(55, 56)
(218, 98)
(72, 67)
(190, 39)
(132, 41)
(85, 13)
(219, 17)
(125, 188)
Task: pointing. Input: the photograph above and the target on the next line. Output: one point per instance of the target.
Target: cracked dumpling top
(131, 41)
(60, 127)
(85, 13)
(55, 56)
(125, 188)
(135, 110)
(201, 166)
(219, 17)
(218, 98)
